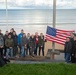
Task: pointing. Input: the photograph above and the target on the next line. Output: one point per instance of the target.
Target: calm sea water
(33, 20)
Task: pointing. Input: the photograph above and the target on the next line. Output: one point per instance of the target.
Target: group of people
(70, 49)
(23, 44)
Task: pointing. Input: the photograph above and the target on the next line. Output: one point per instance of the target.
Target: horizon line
(37, 8)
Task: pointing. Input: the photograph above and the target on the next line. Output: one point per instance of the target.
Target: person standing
(11, 32)
(15, 39)
(41, 43)
(19, 39)
(32, 45)
(9, 43)
(28, 47)
(24, 42)
(67, 49)
(5, 37)
(1, 45)
(1, 33)
(72, 42)
(74, 50)
(36, 41)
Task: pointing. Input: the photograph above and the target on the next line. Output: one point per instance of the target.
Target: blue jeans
(67, 57)
(9, 50)
(23, 52)
(35, 51)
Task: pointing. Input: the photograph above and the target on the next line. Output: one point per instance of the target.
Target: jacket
(28, 40)
(68, 47)
(32, 43)
(5, 37)
(1, 41)
(15, 39)
(9, 43)
(41, 41)
(74, 47)
(72, 42)
(24, 41)
(1, 34)
(19, 38)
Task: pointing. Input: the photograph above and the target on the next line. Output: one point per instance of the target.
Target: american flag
(57, 35)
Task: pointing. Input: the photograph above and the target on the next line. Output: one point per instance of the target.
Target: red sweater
(36, 40)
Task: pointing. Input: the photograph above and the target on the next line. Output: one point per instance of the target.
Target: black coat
(41, 41)
(15, 39)
(72, 42)
(68, 47)
(5, 37)
(1, 34)
(74, 47)
(32, 42)
(28, 40)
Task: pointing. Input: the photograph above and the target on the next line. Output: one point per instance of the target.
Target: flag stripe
(55, 38)
(49, 39)
(65, 30)
(58, 36)
(63, 33)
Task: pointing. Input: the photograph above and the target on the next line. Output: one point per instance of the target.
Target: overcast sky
(61, 4)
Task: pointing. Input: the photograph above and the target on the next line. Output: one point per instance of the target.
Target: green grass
(38, 69)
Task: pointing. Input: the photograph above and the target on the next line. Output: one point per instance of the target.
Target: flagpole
(6, 16)
(54, 23)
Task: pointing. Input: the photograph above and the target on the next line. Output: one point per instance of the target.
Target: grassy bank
(38, 69)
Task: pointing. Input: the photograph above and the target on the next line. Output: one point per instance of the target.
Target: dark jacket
(9, 43)
(74, 47)
(68, 47)
(24, 41)
(28, 40)
(32, 42)
(1, 34)
(41, 41)
(72, 42)
(5, 37)
(1, 41)
(15, 39)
